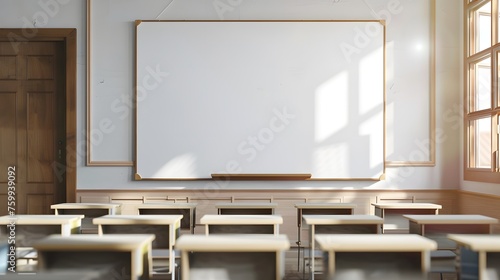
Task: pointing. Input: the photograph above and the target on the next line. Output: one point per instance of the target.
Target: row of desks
(347, 256)
(213, 223)
(433, 226)
(389, 211)
(420, 224)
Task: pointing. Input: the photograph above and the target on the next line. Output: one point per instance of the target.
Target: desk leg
(311, 251)
(184, 265)
(298, 249)
(299, 218)
(331, 263)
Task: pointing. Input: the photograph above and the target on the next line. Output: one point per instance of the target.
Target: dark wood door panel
(32, 121)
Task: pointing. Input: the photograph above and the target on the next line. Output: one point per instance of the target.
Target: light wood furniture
(246, 208)
(233, 257)
(123, 256)
(165, 227)
(376, 256)
(58, 275)
(324, 208)
(90, 210)
(338, 224)
(392, 214)
(321, 209)
(187, 210)
(438, 226)
(30, 228)
(242, 224)
(479, 256)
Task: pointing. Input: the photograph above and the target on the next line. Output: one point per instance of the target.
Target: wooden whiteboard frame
(271, 176)
(432, 98)
(89, 161)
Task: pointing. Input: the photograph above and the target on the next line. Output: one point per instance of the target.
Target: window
(482, 27)
(480, 143)
(480, 80)
(482, 95)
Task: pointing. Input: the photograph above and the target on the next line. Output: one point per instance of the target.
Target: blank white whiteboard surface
(260, 97)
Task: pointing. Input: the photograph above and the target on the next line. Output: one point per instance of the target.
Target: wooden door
(32, 121)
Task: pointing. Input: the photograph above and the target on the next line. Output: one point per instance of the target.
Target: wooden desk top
(167, 205)
(342, 219)
(85, 206)
(90, 242)
(451, 219)
(241, 219)
(233, 243)
(478, 242)
(407, 206)
(325, 205)
(40, 219)
(137, 220)
(56, 275)
(252, 205)
(375, 242)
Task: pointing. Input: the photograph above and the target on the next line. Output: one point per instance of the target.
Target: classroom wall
(446, 174)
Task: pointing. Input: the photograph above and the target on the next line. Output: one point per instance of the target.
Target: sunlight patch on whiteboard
(182, 166)
(331, 94)
(332, 157)
(373, 128)
(389, 134)
(372, 82)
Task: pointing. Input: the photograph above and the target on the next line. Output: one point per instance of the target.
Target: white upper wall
(411, 126)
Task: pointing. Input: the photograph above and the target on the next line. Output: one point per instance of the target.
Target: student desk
(246, 208)
(187, 210)
(392, 214)
(437, 226)
(165, 227)
(57, 275)
(90, 210)
(123, 256)
(324, 208)
(479, 256)
(233, 257)
(254, 224)
(30, 228)
(321, 209)
(376, 256)
(352, 224)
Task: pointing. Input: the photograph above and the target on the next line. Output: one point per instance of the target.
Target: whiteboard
(260, 97)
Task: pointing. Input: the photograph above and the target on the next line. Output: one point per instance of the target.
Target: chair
(164, 227)
(443, 261)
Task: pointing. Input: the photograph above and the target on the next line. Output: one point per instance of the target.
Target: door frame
(68, 36)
